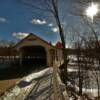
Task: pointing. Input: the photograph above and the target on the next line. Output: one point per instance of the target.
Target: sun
(92, 11)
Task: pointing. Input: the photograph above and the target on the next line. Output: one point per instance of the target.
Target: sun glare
(92, 10)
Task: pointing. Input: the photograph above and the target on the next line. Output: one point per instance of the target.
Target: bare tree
(92, 42)
(92, 57)
(53, 8)
(87, 51)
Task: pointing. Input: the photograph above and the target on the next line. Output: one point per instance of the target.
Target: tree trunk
(98, 88)
(79, 73)
(65, 66)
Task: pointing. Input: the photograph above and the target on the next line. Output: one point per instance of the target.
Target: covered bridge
(35, 50)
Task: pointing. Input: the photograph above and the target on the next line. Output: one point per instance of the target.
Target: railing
(58, 93)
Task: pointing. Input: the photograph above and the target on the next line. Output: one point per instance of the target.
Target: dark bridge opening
(34, 56)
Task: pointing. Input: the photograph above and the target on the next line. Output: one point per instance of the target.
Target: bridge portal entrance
(33, 55)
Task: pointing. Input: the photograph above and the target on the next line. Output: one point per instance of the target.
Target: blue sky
(16, 18)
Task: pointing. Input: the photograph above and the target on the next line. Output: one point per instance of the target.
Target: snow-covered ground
(72, 70)
(32, 76)
(89, 83)
(36, 86)
(22, 89)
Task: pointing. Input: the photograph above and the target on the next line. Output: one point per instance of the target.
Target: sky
(16, 20)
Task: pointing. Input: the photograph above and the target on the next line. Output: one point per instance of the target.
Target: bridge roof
(30, 39)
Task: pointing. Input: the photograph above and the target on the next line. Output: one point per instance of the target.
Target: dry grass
(6, 84)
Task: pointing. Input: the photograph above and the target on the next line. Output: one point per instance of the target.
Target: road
(37, 86)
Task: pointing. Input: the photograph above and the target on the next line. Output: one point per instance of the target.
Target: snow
(32, 76)
(19, 92)
(93, 92)
(72, 70)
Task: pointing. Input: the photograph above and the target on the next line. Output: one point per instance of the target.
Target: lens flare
(92, 11)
